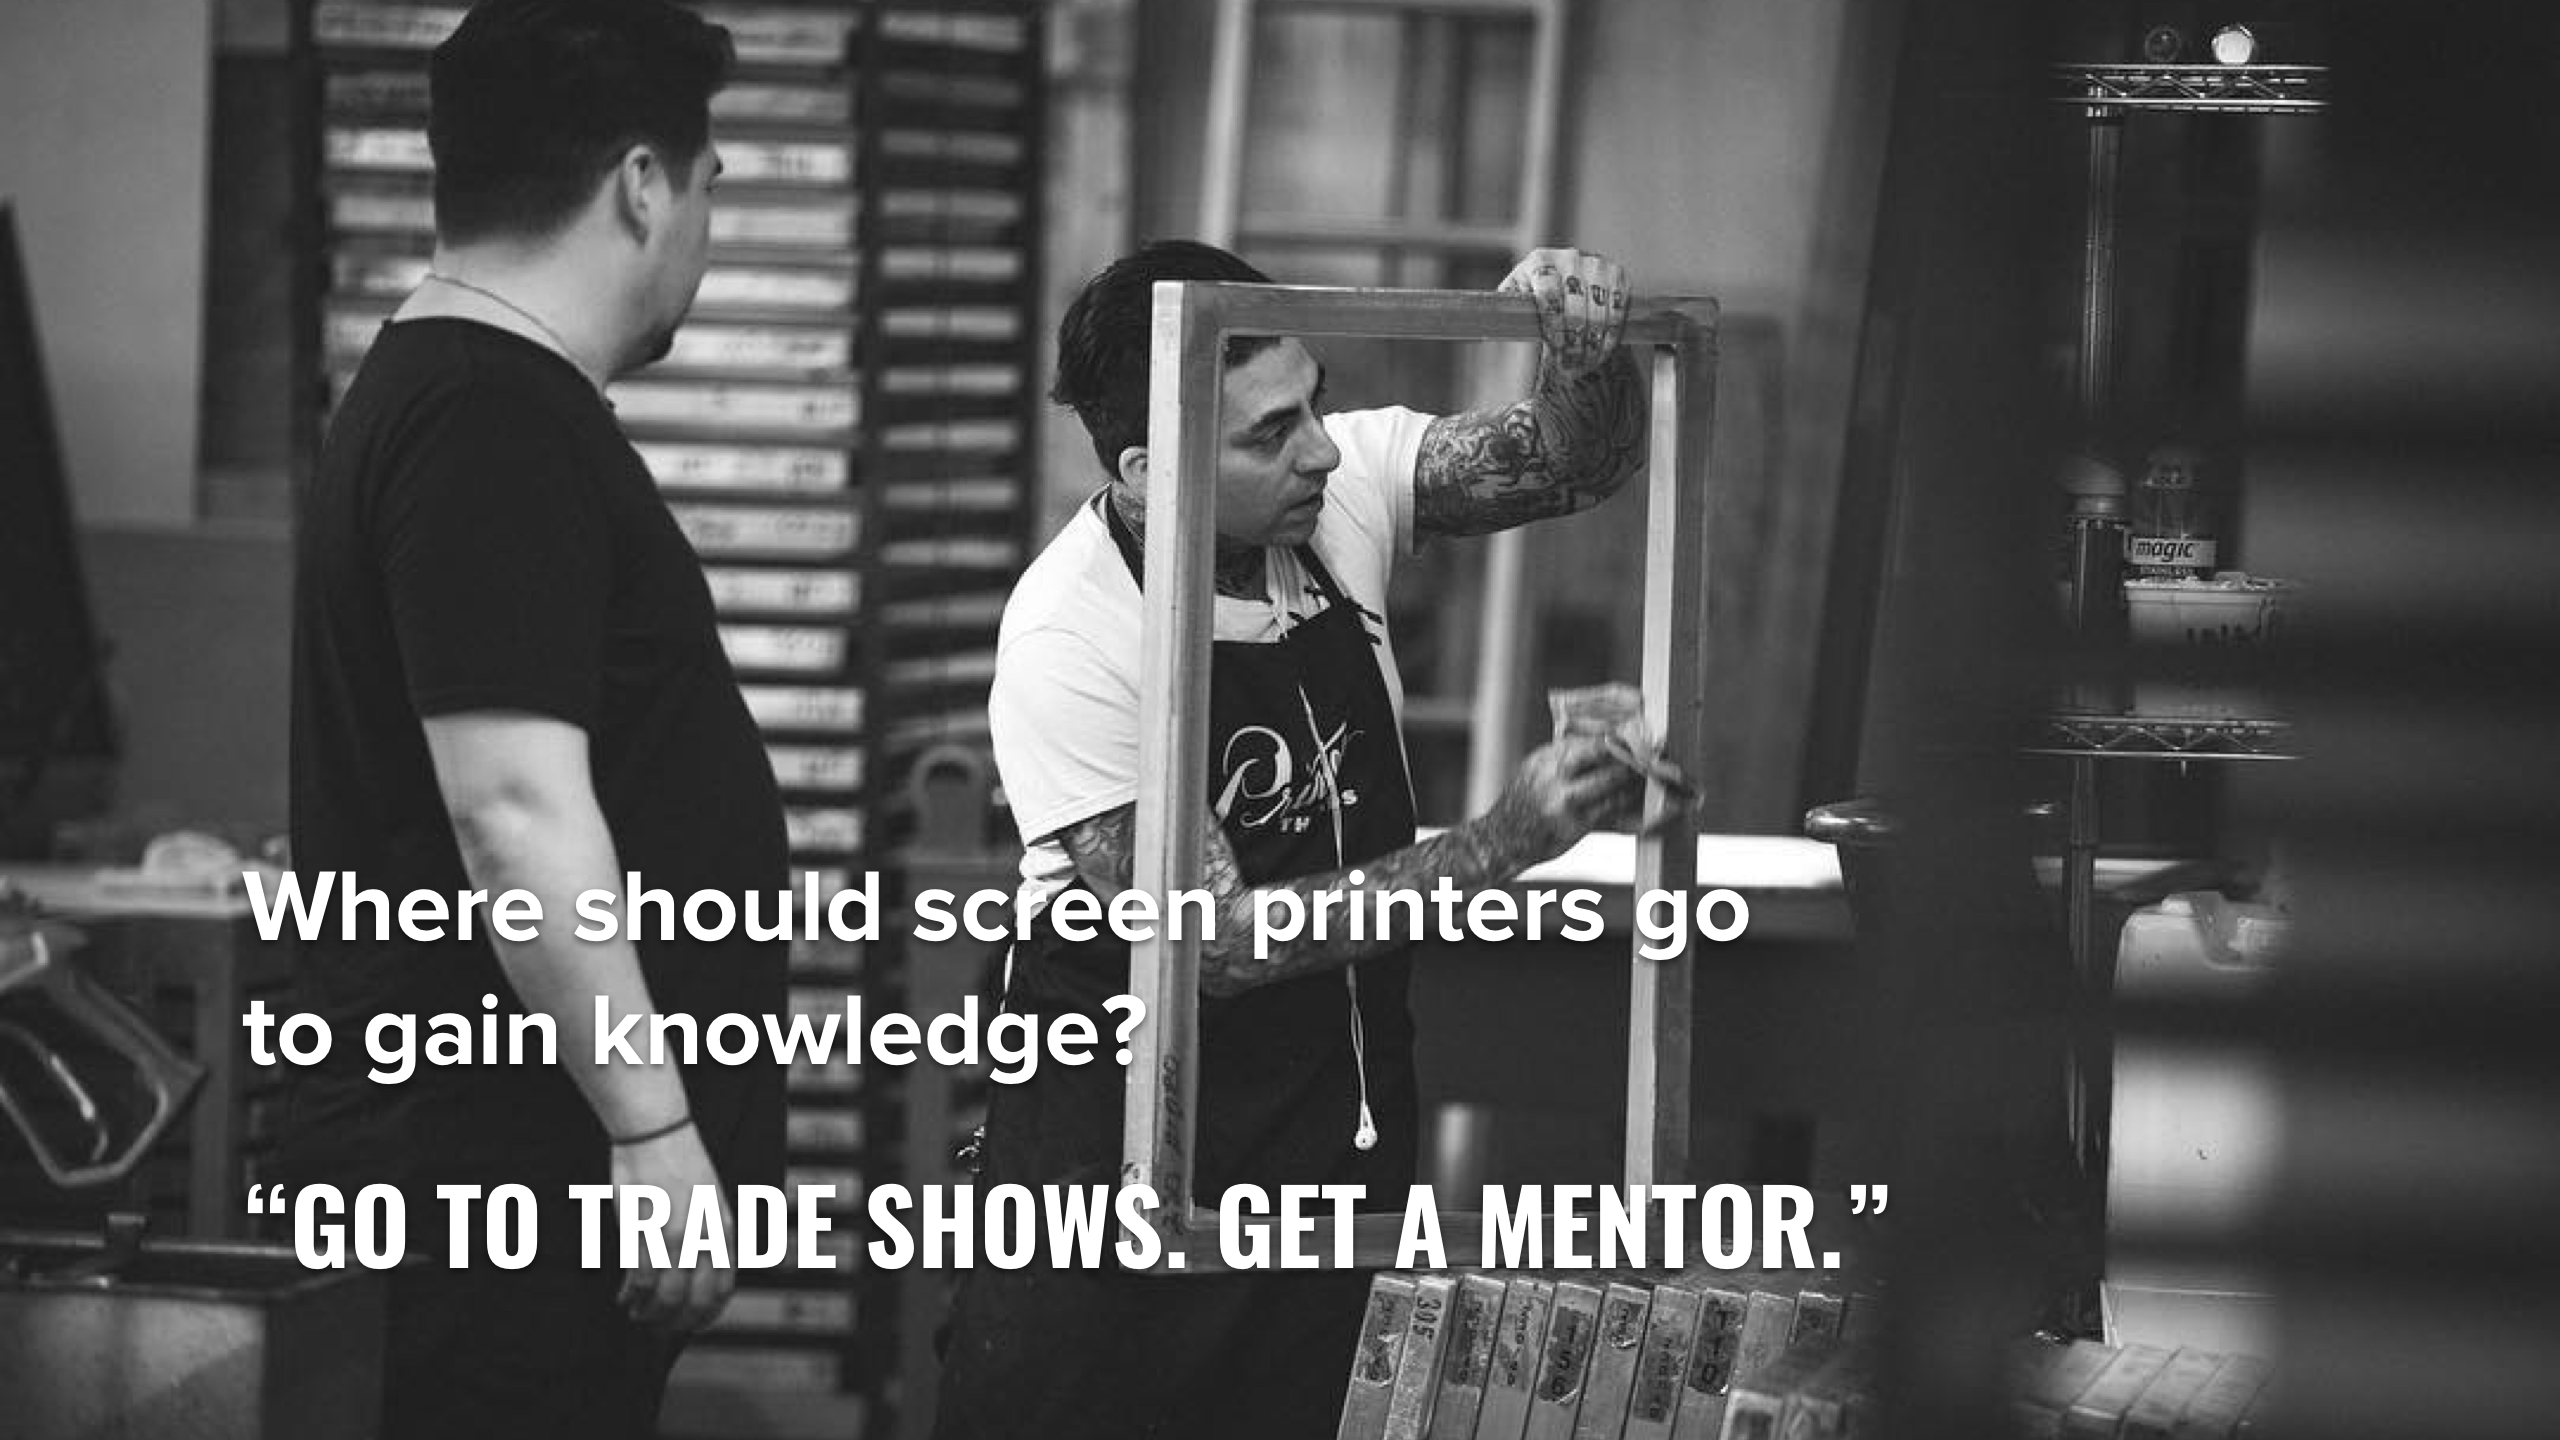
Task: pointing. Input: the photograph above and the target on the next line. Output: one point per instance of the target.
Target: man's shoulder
(1077, 586)
(425, 371)
(446, 412)
(1381, 423)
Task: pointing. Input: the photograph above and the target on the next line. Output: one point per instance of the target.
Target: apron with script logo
(1306, 775)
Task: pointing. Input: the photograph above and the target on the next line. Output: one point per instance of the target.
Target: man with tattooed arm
(1306, 1049)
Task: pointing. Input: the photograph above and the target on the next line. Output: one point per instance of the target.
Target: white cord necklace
(536, 321)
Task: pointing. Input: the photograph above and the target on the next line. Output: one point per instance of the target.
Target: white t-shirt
(1063, 710)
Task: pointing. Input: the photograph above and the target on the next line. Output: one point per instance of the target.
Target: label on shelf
(826, 879)
(766, 35)
(826, 955)
(843, 1181)
(969, 667)
(952, 435)
(983, 264)
(397, 92)
(823, 407)
(382, 212)
(713, 346)
(804, 707)
(375, 274)
(400, 148)
(821, 224)
(786, 162)
(952, 552)
(815, 767)
(982, 207)
(384, 27)
(797, 592)
(742, 530)
(834, 1076)
(767, 288)
(977, 610)
(822, 827)
(983, 379)
(945, 89)
(815, 1001)
(818, 104)
(803, 1312)
(914, 732)
(968, 147)
(971, 32)
(809, 1129)
(792, 469)
(800, 649)
(995, 494)
(950, 322)
(747, 1367)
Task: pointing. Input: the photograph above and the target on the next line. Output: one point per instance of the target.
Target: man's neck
(1240, 566)
(539, 296)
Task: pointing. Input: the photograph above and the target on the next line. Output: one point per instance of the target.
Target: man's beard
(658, 339)
(657, 343)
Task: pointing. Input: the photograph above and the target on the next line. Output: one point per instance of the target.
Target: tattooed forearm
(1104, 849)
(1567, 447)
(1487, 850)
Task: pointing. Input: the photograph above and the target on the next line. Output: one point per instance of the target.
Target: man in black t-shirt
(507, 676)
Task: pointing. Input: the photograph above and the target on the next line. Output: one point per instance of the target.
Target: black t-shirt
(481, 537)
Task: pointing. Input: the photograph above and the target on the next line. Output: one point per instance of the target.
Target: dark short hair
(1105, 338)
(531, 103)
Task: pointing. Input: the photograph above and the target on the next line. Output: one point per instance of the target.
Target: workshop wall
(104, 157)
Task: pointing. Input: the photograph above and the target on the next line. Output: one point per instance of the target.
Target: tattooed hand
(1562, 792)
(1572, 442)
(1582, 304)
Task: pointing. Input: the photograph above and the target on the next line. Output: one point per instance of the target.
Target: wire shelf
(2158, 737)
(2212, 89)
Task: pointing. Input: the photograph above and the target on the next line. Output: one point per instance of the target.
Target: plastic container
(2200, 644)
(2194, 1131)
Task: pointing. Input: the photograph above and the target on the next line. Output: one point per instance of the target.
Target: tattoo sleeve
(1567, 447)
(1487, 850)
(1104, 849)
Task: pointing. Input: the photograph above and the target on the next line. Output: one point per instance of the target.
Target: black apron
(1307, 775)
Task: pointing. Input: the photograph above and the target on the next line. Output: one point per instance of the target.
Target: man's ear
(641, 188)
(1133, 468)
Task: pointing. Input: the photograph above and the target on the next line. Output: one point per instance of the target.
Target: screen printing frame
(1192, 321)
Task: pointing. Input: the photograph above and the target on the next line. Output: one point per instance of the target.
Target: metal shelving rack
(2106, 95)
(952, 106)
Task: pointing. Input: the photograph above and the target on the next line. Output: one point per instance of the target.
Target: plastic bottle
(2093, 583)
(2172, 528)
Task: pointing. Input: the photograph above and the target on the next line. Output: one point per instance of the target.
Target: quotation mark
(267, 1200)
(1861, 1196)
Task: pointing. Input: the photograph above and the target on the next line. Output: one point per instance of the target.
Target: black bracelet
(660, 1133)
